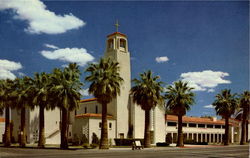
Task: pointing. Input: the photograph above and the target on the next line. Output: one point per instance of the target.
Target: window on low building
(201, 125)
(184, 124)
(210, 126)
(192, 125)
(217, 126)
(223, 126)
(172, 123)
(122, 43)
(110, 44)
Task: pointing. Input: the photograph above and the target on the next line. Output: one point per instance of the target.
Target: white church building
(125, 118)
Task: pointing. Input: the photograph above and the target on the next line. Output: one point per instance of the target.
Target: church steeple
(117, 41)
(117, 50)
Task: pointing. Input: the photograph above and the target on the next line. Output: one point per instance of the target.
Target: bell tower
(117, 50)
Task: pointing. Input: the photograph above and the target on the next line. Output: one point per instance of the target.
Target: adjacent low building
(207, 129)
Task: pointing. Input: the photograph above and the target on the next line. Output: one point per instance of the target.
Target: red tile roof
(92, 115)
(117, 33)
(88, 100)
(2, 119)
(187, 119)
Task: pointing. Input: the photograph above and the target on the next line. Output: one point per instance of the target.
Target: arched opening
(110, 44)
(123, 43)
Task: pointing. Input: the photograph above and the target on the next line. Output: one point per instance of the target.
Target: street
(234, 151)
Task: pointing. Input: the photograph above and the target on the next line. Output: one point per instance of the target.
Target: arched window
(110, 44)
(122, 43)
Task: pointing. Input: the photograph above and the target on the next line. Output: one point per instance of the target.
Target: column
(213, 138)
(187, 136)
(172, 135)
(232, 135)
(206, 137)
(192, 136)
(197, 137)
(221, 138)
(201, 137)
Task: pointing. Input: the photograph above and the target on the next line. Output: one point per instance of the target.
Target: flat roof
(187, 119)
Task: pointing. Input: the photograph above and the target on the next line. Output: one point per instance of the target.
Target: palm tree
(64, 90)
(244, 105)
(40, 91)
(147, 94)
(179, 99)
(105, 85)
(23, 99)
(225, 105)
(6, 101)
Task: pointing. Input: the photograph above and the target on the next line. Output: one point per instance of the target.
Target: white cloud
(51, 46)
(161, 59)
(208, 106)
(76, 55)
(39, 18)
(6, 68)
(210, 90)
(84, 92)
(205, 80)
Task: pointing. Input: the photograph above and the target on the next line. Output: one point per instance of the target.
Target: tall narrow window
(96, 109)
(122, 43)
(110, 125)
(110, 44)
(85, 110)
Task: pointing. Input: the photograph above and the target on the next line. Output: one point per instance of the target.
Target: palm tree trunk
(226, 140)
(41, 141)
(104, 132)
(147, 143)
(7, 141)
(64, 139)
(243, 128)
(23, 131)
(180, 134)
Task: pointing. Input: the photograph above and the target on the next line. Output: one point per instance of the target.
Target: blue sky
(204, 43)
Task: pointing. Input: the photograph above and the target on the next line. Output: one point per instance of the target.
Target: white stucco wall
(138, 121)
(81, 127)
(91, 107)
(94, 128)
(2, 129)
(159, 124)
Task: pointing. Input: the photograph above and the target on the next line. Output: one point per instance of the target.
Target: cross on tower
(117, 25)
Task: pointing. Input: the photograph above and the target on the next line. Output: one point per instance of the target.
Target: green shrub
(95, 139)
(76, 140)
(84, 139)
(86, 146)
